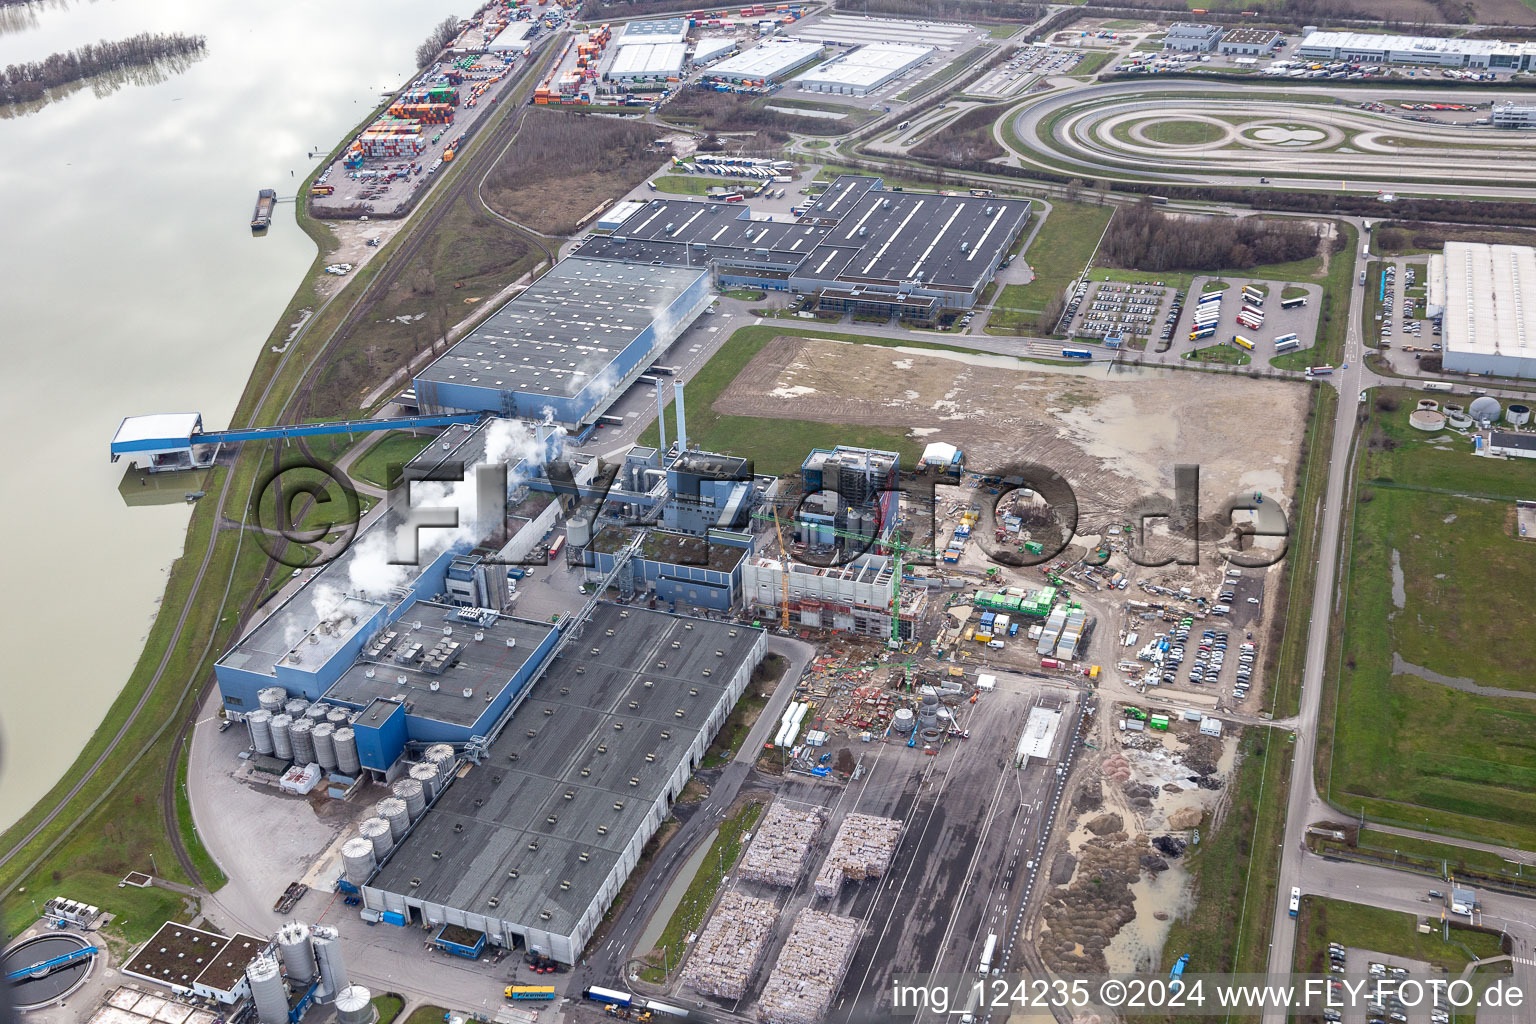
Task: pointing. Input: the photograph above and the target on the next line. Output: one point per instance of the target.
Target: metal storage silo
(338, 717)
(324, 735)
(357, 859)
(354, 1005)
(415, 798)
(346, 751)
(281, 745)
(298, 957)
(296, 707)
(928, 714)
(1518, 415)
(376, 831)
(393, 811)
(441, 755)
(333, 970)
(903, 721)
(316, 712)
(578, 532)
(301, 734)
(260, 724)
(267, 990)
(272, 698)
(427, 775)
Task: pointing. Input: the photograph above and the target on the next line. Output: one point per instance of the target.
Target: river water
(130, 283)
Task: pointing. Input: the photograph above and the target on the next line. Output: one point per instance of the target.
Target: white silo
(272, 698)
(1518, 415)
(296, 707)
(338, 717)
(427, 775)
(317, 712)
(324, 735)
(267, 990)
(357, 859)
(354, 1005)
(902, 721)
(410, 791)
(346, 751)
(281, 745)
(393, 811)
(376, 831)
(1485, 411)
(260, 724)
(301, 734)
(298, 958)
(333, 970)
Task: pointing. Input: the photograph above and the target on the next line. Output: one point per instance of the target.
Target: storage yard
(732, 947)
(810, 969)
(780, 849)
(862, 850)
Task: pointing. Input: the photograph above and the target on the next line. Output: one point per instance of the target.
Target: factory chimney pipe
(682, 417)
(661, 421)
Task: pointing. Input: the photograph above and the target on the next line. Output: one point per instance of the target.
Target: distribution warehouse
(866, 68)
(1487, 294)
(859, 247)
(1371, 48)
(568, 346)
(770, 61)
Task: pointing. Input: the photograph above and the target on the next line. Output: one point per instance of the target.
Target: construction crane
(783, 573)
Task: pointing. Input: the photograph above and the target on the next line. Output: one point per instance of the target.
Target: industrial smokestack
(682, 418)
(661, 420)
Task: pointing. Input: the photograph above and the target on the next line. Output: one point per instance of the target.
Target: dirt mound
(1139, 791)
(1062, 868)
(1116, 768)
(1089, 797)
(1082, 918)
(1105, 824)
(1185, 817)
(1153, 863)
(1169, 846)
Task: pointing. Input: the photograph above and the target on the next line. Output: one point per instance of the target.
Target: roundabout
(1205, 133)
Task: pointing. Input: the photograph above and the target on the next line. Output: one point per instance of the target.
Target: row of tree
(22, 82)
(445, 32)
(968, 137)
(1141, 238)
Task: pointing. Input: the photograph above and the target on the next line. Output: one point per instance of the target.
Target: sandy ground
(352, 247)
(1114, 440)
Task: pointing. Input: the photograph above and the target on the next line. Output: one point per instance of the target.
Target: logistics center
(1487, 295)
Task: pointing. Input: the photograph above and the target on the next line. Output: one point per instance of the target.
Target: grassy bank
(701, 892)
(728, 741)
(1389, 932)
(395, 449)
(1058, 255)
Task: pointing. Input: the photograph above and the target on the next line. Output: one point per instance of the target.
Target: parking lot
(1129, 311)
(1400, 322)
(1364, 963)
(1029, 66)
(1219, 654)
(1277, 322)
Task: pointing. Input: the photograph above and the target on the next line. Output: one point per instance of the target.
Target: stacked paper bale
(809, 970)
(778, 852)
(727, 954)
(863, 849)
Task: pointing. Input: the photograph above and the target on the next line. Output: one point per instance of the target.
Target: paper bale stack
(725, 957)
(810, 969)
(863, 849)
(782, 845)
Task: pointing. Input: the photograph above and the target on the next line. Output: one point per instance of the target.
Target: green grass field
(388, 1007)
(1405, 749)
(395, 449)
(1182, 133)
(1221, 352)
(1389, 932)
(776, 445)
(1092, 63)
(693, 184)
(1058, 256)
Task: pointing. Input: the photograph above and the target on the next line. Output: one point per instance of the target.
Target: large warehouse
(770, 61)
(1373, 48)
(865, 69)
(1487, 294)
(535, 841)
(568, 346)
(638, 62)
(859, 247)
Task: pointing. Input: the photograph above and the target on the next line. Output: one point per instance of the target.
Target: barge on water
(266, 199)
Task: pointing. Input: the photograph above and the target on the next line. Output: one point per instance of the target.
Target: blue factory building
(854, 490)
(685, 571)
(568, 346)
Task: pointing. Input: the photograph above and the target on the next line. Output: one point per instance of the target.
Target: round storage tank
(903, 720)
(426, 774)
(301, 734)
(1485, 410)
(333, 970)
(1427, 420)
(316, 712)
(296, 707)
(260, 724)
(376, 831)
(272, 698)
(414, 797)
(1457, 419)
(354, 1005)
(282, 746)
(324, 734)
(267, 990)
(293, 946)
(578, 532)
(393, 811)
(944, 717)
(1518, 415)
(441, 755)
(357, 859)
(338, 717)
(346, 751)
